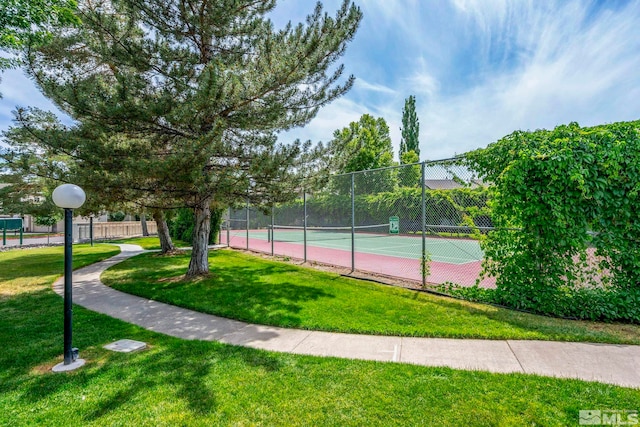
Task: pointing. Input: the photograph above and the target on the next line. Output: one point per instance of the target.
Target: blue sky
(479, 69)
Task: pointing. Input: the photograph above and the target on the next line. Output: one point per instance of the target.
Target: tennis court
(456, 260)
(377, 240)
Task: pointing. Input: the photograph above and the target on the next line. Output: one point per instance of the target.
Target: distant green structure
(11, 224)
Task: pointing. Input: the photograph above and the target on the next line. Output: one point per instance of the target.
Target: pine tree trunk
(199, 264)
(143, 223)
(166, 245)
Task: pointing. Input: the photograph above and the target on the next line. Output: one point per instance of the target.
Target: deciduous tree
(364, 145)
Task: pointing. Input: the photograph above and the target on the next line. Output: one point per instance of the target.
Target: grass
(256, 290)
(149, 243)
(195, 383)
(25, 269)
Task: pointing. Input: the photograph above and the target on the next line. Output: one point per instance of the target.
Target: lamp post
(68, 197)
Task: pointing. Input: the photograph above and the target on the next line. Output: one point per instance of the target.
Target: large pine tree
(197, 89)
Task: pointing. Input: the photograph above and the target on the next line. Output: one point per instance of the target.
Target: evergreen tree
(42, 149)
(410, 129)
(197, 90)
(24, 22)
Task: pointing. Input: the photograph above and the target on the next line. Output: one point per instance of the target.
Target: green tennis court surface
(441, 249)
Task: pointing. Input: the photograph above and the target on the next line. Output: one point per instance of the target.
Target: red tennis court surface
(392, 266)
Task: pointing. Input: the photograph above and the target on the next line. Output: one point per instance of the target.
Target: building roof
(450, 184)
(441, 184)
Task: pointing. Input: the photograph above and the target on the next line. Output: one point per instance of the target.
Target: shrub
(566, 190)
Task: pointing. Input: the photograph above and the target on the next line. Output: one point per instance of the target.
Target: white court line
(414, 255)
(390, 251)
(394, 254)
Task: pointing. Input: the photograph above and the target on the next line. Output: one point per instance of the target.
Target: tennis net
(289, 233)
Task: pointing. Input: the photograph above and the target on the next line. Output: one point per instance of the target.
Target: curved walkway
(613, 364)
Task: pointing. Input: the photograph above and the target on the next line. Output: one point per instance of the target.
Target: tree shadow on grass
(185, 371)
(178, 371)
(239, 292)
(172, 367)
(263, 301)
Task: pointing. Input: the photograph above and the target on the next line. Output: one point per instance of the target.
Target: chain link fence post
(247, 223)
(270, 232)
(229, 227)
(304, 222)
(423, 221)
(353, 223)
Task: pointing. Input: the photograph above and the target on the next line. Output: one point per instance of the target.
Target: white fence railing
(108, 230)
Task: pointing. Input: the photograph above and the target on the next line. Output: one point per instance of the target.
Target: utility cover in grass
(125, 346)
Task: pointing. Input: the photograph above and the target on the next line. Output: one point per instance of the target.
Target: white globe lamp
(68, 197)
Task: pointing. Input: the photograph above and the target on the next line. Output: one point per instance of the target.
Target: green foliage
(461, 206)
(24, 22)
(471, 293)
(573, 194)
(30, 196)
(362, 146)
(199, 383)
(117, 216)
(182, 223)
(180, 101)
(410, 130)
(217, 215)
(48, 220)
(409, 175)
(193, 382)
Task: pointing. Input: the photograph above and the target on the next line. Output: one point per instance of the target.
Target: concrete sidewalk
(613, 364)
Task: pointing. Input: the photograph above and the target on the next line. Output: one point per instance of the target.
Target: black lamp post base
(61, 367)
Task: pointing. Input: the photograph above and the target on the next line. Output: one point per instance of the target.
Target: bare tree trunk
(199, 264)
(143, 223)
(166, 245)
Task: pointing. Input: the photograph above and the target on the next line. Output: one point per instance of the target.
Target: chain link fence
(420, 223)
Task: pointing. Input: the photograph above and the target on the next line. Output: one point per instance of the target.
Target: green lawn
(253, 289)
(150, 243)
(197, 383)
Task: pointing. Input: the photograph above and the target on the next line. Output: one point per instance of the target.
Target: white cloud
(422, 81)
(540, 65)
(480, 69)
(572, 70)
(374, 87)
(336, 115)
